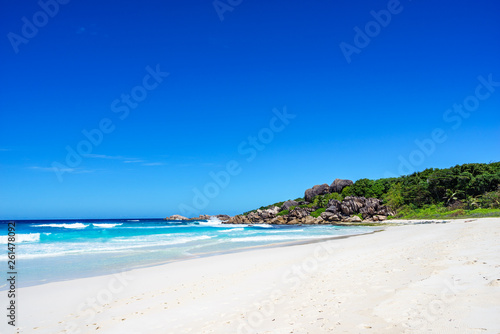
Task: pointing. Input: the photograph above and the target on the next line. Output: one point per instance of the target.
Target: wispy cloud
(132, 161)
(153, 164)
(126, 160)
(5, 149)
(104, 156)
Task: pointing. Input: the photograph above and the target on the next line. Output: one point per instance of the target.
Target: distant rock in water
(177, 217)
(223, 217)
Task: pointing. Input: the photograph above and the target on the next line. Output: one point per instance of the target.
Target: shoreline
(389, 282)
(195, 256)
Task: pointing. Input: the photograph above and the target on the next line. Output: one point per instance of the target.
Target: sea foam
(30, 237)
(73, 225)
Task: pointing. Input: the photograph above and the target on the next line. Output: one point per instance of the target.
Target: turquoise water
(52, 250)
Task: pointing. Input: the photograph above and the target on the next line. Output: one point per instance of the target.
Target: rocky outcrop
(288, 204)
(347, 211)
(338, 185)
(299, 213)
(321, 189)
(334, 206)
(239, 219)
(330, 217)
(351, 209)
(257, 216)
(351, 205)
(352, 219)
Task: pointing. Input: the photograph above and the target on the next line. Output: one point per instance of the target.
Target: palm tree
(451, 196)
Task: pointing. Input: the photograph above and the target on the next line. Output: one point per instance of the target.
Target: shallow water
(65, 249)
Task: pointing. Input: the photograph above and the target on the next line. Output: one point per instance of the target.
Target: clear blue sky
(225, 77)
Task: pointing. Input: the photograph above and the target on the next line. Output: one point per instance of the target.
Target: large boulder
(288, 204)
(352, 219)
(176, 217)
(339, 184)
(253, 216)
(294, 221)
(223, 217)
(279, 220)
(299, 213)
(309, 220)
(330, 217)
(334, 206)
(351, 205)
(320, 189)
(273, 210)
(239, 219)
(263, 215)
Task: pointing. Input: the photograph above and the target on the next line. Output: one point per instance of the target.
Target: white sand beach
(439, 278)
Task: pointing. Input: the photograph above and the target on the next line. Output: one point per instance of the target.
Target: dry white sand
(442, 278)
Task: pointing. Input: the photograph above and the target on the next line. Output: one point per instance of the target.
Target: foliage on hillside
(459, 191)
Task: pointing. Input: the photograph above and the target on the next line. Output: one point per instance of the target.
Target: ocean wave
(62, 225)
(106, 225)
(115, 246)
(238, 229)
(213, 221)
(261, 225)
(284, 231)
(31, 237)
(133, 220)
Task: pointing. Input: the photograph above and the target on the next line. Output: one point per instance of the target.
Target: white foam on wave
(133, 220)
(30, 237)
(262, 225)
(115, 246)
(106, 225)
(62, 225)
(238, 229)
(285, 231)
(213, 221)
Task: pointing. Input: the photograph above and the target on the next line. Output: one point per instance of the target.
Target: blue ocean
(54, 250)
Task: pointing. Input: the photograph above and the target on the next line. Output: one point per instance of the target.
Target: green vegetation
(460, 191)
(284, 212)
(278, 204)
(318, 212)
(469, 190)
(436, 212)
